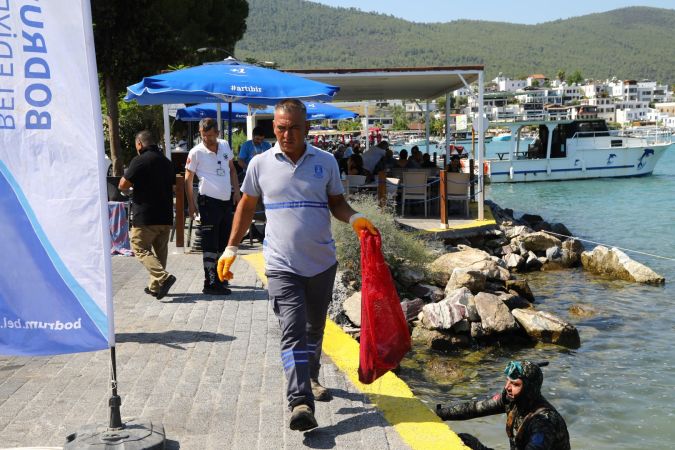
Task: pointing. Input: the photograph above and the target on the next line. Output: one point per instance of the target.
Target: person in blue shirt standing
(300, 187)
(255, 146)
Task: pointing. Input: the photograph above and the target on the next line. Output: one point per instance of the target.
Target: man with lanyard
(212, 162)
(300, 188)
(255, 146)
(532, 423)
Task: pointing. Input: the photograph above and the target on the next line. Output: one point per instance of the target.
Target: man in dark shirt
(152, 177)
(532, 423)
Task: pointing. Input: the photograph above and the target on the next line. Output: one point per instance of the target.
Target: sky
(514, 11)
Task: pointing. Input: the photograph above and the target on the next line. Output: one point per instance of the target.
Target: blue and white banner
(55, 270)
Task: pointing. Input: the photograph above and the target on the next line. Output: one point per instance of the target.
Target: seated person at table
(355, 166)
(389, 161)
(416, 156)
(406, 163)
(372, 158)
(427, 163)
(455, 165)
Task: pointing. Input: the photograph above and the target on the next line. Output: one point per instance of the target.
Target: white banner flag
(55, 272)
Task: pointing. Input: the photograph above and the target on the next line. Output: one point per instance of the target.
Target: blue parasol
(227, 81)
(315, 111)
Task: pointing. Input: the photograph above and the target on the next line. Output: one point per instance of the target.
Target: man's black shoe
(149, 292)
(164, 288)
(215, 289)
(302, 418)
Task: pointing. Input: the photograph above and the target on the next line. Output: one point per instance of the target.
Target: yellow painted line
(488, 219)
(418, 426)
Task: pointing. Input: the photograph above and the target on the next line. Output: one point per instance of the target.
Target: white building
(505, 84)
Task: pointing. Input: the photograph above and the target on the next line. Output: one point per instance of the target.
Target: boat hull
(585, 164)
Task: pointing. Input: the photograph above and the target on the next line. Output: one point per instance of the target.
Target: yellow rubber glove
(360, 223)
(225, 262)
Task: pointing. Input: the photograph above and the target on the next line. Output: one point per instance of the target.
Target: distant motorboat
(502, 137)
(577, 149)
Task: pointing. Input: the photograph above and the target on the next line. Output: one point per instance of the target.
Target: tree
(400, 121)
(141, 37)
(575, 78)
(561, 75)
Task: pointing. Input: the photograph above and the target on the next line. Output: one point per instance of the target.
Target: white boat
(502, 137)
(577, 149)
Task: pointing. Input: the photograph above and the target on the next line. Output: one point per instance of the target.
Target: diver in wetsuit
(532, 423)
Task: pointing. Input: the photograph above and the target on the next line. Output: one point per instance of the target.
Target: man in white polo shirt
(212, 162)
(300, 188)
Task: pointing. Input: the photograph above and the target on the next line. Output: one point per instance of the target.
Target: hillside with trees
(635, 42)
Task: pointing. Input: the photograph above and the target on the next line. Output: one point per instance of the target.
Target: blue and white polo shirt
(297, 236)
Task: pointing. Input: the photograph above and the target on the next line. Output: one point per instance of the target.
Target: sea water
(617, 391)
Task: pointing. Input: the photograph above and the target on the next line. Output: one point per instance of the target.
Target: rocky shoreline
(472, 294)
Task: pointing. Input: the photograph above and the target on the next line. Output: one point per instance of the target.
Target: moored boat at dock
(577, 149)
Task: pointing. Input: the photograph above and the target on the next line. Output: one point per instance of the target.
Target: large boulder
(522, 288)
(471, 279)
(539, 241)
(572, 250)
(443, 266)
(352, 308)
(520, 230)
(443, 315)
(464, 297)
(560, 228)
(512, 300)
(532, 262)
(494, 314)
(616, 264)
(491, 269)
(439, 340)
(427, 292)
(514, 262)
(411, 308)
(408, 276)
(546, 327)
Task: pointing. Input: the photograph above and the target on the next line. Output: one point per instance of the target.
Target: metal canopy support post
(229, 123)
(426, 121)
(447, 130)
(167, 132)
(219, 120)
(481, 147)
(367, 129)
(250, 123)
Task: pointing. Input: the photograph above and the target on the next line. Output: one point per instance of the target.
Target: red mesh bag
(385, 338)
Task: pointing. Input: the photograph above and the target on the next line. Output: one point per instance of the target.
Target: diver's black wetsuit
(532, 423)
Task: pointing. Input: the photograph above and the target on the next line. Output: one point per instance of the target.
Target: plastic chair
(355, 181)
(414, 188)
(457, 188)
(345, 186)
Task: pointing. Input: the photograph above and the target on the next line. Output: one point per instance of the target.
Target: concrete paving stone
(206, 367)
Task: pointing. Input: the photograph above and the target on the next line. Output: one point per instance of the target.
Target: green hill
(635, 42)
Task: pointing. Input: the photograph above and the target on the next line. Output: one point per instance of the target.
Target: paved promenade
(207, 368)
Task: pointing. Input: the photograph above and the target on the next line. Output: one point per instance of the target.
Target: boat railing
(651, 136)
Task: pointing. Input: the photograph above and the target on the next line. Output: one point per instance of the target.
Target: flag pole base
(134, 435)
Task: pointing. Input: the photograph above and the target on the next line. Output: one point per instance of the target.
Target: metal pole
(115, 401)
(447, 125)
(219, 120)
(426, 120)
(481, 148)
(229, 123)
